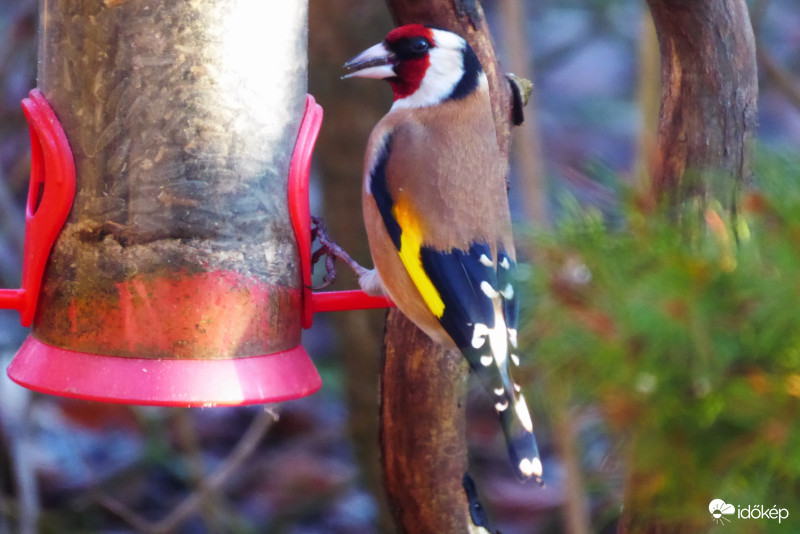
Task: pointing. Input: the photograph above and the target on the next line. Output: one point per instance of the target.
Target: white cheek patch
(445, 71)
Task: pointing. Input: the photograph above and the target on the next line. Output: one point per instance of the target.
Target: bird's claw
(331, 251)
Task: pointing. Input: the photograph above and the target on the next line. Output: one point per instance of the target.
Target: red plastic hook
(300, 214)
(50, 195)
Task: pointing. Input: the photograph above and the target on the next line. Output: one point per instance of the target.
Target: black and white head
(425, 66)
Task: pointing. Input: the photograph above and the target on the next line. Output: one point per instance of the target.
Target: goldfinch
(436, 212)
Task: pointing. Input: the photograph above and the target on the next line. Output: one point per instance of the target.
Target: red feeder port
(189, 320)
(167, 247)
(175, 278)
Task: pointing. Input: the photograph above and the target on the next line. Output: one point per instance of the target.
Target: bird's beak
(374, 62)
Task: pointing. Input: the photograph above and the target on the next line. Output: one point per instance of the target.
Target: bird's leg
(332, 251)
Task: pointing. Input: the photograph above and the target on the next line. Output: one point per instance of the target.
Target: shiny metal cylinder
(182, 117)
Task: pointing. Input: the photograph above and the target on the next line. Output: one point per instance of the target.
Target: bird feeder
(168, 244)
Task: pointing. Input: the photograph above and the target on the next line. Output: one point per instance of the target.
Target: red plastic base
(188, 383)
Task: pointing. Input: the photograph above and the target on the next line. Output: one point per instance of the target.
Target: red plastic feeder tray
(209, 335)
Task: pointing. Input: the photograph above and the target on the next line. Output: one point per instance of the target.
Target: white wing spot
(515, 359)
(479, 334)
(499, 391)
(508, 292)
(486, 361)
(522, 413)
(488, 290)
(501, 406)
(486, 260)
(505, 263)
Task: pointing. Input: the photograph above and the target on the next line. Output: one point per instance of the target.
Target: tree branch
(709, 97)
(423, 388)
(192, 503)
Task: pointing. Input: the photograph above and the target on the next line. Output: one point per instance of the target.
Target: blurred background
(70, 466)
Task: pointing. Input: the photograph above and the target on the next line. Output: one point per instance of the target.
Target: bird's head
(424, 65)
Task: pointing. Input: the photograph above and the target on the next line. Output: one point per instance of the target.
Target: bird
(437, 217)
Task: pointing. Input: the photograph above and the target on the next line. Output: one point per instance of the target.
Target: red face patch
(410, 71)
(410, 74)
(410, 30)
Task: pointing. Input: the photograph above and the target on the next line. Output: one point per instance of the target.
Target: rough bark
(706, 126)
(423, 397)
(422, 387)
(708, 101)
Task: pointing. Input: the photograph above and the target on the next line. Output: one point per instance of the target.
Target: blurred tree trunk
(648, 97)
(423, 389)
(351, 110)
(708, 116)
(708, 100)
(526, 150)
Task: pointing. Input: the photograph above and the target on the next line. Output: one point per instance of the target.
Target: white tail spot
(522, 413)
(486, 260)
(486, 361)
(515, 359)
(505, 263)
(499, 391)
(517, 388)
(512, 337)
(501, 406)
(531, 467)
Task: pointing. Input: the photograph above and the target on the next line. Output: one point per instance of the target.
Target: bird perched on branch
(436, 212)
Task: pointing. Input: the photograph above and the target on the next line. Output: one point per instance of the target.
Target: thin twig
(139, 523)
(192, 452)
(784, 81)
(576, 510)
(192, 503)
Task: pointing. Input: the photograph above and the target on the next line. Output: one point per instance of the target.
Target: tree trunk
(708, 100)
(423, 388)
(423, 400)
(706, 126)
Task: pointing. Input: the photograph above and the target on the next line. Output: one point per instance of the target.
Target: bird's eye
(418, 45)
